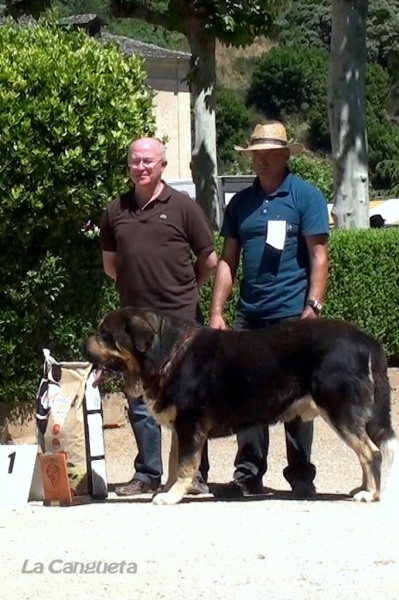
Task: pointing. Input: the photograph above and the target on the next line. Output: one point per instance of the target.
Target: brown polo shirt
(153, 247)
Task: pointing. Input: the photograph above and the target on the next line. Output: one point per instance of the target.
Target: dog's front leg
(189, 448)
(173, 460)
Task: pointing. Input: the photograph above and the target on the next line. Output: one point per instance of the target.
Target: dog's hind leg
(370, 460)
(347, 402)
(189, 446)
(380, 429)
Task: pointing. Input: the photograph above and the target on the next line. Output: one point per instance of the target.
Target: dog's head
(123, 340)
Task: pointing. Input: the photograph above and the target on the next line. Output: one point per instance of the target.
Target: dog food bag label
(60, 417)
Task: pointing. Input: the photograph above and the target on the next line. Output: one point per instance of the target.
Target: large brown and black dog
(208, 383)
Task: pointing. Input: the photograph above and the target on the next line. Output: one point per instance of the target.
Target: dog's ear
(122, 339)
(141, 333)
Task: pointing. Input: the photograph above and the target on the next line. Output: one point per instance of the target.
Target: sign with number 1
(16, 471)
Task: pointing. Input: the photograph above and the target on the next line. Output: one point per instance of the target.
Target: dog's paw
(365, 496)
(167, 498)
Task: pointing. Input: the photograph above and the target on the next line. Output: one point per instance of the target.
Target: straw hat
(270, 136)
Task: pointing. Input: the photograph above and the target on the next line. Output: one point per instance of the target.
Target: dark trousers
(148, 462)
(253, 443)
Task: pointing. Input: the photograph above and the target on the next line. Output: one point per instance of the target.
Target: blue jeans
(148, 462)
(253, 443)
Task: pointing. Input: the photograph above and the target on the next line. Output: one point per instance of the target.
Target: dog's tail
(390, 495)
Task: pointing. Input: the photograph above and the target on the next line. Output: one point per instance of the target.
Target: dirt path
(272, 548)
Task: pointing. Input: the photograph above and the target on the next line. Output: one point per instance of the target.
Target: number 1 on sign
(12, 461)
(16, 470)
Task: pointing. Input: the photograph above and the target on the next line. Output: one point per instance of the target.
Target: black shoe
(136, 487)
(238, 488)
(304, 490)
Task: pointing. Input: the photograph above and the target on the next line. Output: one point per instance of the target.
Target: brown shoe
(136, 487)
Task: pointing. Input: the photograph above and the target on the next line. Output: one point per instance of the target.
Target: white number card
(276, 234)
(16, 471)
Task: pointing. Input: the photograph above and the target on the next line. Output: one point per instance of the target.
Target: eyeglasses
(148, 163)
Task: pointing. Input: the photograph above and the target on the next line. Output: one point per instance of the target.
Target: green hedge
(363, 284)
(68, 111)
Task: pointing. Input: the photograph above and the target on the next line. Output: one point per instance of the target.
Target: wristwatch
(316, 305)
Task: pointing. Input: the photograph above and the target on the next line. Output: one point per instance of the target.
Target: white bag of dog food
(69, 420)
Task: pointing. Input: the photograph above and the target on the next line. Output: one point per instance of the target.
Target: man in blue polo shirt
(279, 226)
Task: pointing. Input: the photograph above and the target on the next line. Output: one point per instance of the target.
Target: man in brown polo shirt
(148, 236)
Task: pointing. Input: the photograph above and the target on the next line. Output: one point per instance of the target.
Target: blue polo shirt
(271, 230)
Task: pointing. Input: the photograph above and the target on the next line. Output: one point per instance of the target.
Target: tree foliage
(382, 35)
(74, 110)
(233, 122)
(383, 153)
(316, 170)
(289, 81)
(308, 23)
(233, 22)
(66, 120)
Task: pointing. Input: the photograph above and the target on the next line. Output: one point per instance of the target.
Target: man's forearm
(318, 278)
(222, 288)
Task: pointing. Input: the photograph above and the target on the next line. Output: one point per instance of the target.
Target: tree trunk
(202, 85)
(347, 113)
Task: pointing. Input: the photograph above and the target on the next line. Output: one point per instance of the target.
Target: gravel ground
(273, 547)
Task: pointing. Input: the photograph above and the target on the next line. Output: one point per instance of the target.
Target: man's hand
(217, 322)
(308, 313)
